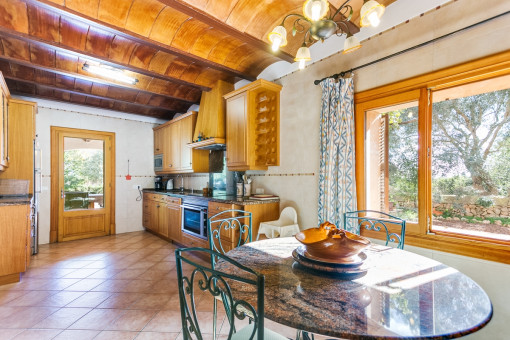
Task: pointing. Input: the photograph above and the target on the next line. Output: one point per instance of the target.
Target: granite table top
(402, 296)
(229, 199)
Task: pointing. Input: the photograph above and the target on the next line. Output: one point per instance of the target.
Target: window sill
(480, 249)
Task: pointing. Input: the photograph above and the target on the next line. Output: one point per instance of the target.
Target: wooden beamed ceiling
(176, 49)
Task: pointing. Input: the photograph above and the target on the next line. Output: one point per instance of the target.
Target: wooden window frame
(420, 88)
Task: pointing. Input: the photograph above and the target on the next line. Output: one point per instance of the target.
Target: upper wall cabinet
(4, 124)
(253, 126)
(172, 139)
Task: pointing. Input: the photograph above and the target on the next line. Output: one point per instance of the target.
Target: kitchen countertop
(219, 198)
(15, 200)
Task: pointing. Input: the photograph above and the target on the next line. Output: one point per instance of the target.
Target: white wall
(300, 111)
(133, 141)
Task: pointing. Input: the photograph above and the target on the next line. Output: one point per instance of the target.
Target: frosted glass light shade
(367, 12)
(351, 44)
(278, 37)
(315, 9)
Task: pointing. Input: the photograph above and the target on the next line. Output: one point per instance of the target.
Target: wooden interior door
(83, 166)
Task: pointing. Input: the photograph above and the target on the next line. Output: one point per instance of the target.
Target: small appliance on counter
(170, 184)
(158, 183)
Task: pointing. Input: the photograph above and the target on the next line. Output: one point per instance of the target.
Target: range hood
(209, 144)
(210, 127)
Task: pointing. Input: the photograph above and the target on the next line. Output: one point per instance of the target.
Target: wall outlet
(259, 191)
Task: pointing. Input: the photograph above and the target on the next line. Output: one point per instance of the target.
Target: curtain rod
(343, 73)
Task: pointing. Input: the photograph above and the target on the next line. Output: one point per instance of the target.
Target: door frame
(54, 192)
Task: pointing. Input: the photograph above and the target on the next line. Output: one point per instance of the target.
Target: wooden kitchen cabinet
(162, 215)
(15, 241)
(253, 126)
(177, 156)
(21, 136)
(4, 124)
(159, 141)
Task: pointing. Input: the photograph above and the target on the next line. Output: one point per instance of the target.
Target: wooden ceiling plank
(222, 26)
(78, 92)
(95, 57)
(138, 38)
(14, 61)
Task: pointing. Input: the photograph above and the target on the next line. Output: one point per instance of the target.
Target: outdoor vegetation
(470, 159)
(83, 170)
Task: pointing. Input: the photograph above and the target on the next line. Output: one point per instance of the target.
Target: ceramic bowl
(329, 242)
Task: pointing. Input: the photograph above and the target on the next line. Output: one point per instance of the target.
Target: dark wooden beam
(83, 93)
(225, 28)
(94, 57)
(61, 10)
(87, 78)
(55, 99)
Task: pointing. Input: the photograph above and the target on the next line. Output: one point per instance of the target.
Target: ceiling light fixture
(110, 72)
(316, 25)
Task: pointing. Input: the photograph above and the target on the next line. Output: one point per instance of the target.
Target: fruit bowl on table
(330, 243)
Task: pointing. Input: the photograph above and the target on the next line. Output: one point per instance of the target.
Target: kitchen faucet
(181, 188)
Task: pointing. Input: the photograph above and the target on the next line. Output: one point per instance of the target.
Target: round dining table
(402, 296)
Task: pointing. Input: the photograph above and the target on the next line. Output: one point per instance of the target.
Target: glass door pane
(392, 160)
(83, 173)
(471, 159)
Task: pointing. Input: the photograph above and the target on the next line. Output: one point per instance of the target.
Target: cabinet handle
(170, 165)
(157, 206)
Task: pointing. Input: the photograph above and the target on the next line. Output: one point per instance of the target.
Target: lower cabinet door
(174, 222)
(163, 219)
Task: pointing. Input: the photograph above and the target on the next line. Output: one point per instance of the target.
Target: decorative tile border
(282, 175)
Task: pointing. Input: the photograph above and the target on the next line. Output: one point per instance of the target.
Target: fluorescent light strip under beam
(110, 72)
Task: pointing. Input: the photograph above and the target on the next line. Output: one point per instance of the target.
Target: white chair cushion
(244, 334)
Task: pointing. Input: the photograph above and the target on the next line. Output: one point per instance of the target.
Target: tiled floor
(114, 287)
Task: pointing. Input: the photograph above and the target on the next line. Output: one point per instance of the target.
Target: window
(471, 159)
(392, 160)
(435, 150)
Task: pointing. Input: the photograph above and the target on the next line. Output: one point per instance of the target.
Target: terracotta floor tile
(105, 273)
(26, 317)
(6, 296)
(165, 321)
(128, 274)
(77, 334)
(156, 336)
(62, 318)
(8, 334)
(151, 301)
(39, 334)
(31, 298)
(97, 319)
(81, 273)
(132, 320)
(138, 286)
(85, 285)
(114, 286)
(90, 299)
(121, 300)
(116, 335)
(59, 299)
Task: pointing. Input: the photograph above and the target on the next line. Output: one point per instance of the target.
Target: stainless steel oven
(158, 162)
(194, 220)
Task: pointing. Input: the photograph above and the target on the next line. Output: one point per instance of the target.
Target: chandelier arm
(295, 15)
(344, 5)
(298, 26)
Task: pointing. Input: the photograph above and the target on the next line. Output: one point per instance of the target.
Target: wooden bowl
(329, 242)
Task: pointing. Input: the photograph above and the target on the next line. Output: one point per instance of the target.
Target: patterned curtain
(337, 183)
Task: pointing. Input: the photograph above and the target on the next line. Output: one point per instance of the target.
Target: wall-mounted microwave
(158, 162)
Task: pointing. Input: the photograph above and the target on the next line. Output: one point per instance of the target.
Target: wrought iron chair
(226, 230)
(205, 280)
(229, 229)
(382, 221)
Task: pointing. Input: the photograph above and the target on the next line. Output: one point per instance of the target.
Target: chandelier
(315, 24)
